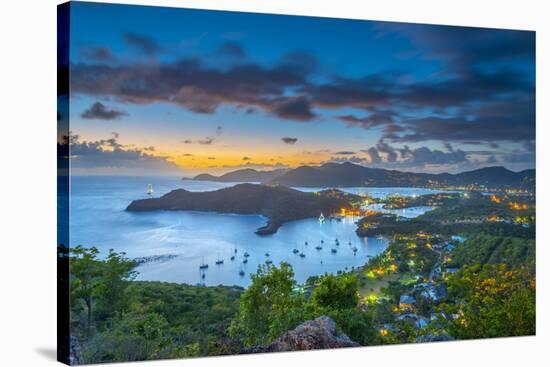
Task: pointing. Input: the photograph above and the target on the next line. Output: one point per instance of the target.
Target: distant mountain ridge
(350, 175)
(243, 175)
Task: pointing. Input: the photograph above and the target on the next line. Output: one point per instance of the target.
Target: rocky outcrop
(320, 333)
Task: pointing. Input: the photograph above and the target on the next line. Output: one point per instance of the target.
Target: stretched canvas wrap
(234, 183)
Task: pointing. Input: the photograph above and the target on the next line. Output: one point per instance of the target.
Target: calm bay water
(98, 218)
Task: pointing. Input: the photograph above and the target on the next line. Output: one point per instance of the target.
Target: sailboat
(150, 190)
(321, 218)
(203, 265)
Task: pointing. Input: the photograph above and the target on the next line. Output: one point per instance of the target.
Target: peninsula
(279, 204)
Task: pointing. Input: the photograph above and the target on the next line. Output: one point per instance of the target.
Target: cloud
(206, 141)
(260, 166)
(96, 53)
(424, 156)
(344, 152)
(247, 158)
(189, 83)
(485, 84)
(375, 118)
(108, 155)
(387, 156)
(231, 50)
(293, 108)
(496, 121)
(211, 158)
(140, 42)
(101, 112)
(288, 140)
(353, 159)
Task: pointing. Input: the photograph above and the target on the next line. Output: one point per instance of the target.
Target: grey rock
(320, 333)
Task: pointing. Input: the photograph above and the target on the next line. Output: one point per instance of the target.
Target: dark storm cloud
(528, 157)
(500, 121)
(353, 159)
(461, 46)
(96, 53)
(483, 92)
(424, 155)
(231, 49)
(364, 93)
(140, 42)
(190, 84)
(101, 112)
(383, 154)
(289, 140)
(375, 118)
(299, 61)
(344, 152)
(293, 108)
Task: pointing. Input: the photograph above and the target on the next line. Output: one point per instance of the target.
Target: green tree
(97, 282)
(336, 292)
(491, 301)
(337, 296)
(85, 269)
(270, 306)
(116, 272)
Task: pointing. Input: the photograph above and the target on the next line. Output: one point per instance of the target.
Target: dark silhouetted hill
(278, 203)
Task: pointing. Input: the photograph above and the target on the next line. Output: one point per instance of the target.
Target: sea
(174, 244)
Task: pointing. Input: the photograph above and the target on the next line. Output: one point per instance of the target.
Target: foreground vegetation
(428, 285)
(119, 319)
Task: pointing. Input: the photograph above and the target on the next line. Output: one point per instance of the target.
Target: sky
(157, 90)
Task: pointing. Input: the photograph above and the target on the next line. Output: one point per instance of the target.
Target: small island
(278, 204)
